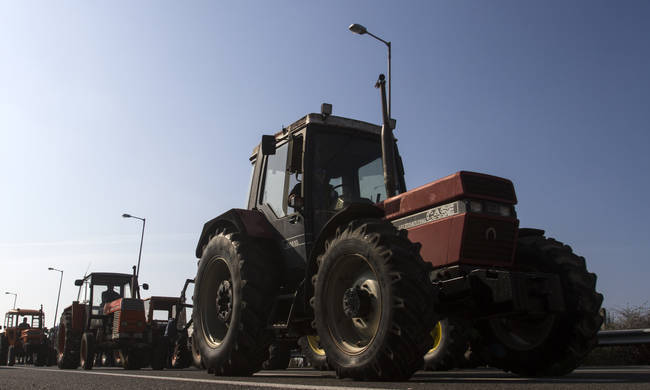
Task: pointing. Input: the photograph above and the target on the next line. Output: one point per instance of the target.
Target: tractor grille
(490, 187)
(116, 324)
(489, 240)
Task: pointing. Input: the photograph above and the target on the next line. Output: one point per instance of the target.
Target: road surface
(28, 377)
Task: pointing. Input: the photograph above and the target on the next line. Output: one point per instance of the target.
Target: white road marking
(213, 381)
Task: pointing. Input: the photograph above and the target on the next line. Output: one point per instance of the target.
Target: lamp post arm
(387, 43)
(144, 221)
(56, 311)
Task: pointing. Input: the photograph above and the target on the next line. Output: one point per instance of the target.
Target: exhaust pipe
(387, 142)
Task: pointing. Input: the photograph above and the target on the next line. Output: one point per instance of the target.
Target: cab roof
(25, 312)
(326, 120)
(108, 278)
(163, 303)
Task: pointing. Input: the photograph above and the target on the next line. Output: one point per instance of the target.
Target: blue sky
(152, 108)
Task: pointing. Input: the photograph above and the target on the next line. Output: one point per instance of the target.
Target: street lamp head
(50, 269)
(357, 29)
(126, 215)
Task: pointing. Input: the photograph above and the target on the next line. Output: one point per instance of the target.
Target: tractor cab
(160, 310)
(24, 324)
(319, 167)
(105, 293)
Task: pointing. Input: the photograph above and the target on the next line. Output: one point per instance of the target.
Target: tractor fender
(250, 222)
(341, 219)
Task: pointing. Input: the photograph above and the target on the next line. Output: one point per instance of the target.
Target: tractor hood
(466, 217)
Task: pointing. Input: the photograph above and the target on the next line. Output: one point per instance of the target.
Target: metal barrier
(624, 337)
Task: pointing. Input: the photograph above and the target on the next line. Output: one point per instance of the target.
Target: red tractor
(333, 244)
(24, 338)
(110, 320)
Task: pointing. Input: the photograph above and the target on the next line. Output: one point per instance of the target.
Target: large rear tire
(373, 302)
(67, 343)
(552, 344)
(237, 272)
(450, 341)
(313, 352)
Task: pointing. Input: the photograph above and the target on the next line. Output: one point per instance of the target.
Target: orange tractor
(23, 340)
(110, 320)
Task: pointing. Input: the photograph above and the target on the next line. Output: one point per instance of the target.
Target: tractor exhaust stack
(387, 142)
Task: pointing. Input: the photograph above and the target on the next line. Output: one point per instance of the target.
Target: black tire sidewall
(219, 249)
(353, 246)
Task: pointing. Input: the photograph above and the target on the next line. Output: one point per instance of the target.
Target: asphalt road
(28, 377)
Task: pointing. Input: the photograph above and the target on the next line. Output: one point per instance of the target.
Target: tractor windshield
(348, 168)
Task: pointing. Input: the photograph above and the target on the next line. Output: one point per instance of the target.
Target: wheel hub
(224, 301)
(356, 302)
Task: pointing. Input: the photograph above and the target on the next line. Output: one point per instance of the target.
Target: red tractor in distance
(333, 244)
(23, 338)
(109, 320)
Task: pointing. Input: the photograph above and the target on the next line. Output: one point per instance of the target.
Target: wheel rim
(353, 306)
(314, 345)
(523, 333)
(216, 299)
(436, 335)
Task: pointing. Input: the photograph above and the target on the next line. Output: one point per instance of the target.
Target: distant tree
(629, 317)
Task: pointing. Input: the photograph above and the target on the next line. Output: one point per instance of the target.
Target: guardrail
(624, 337)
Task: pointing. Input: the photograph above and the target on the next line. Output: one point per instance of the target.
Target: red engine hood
(459, 185)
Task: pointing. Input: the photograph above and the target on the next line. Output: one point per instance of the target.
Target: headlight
(475, 206)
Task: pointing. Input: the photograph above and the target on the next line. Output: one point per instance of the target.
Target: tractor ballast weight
(333, 247)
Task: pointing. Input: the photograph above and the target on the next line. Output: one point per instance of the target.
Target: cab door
(277, 183)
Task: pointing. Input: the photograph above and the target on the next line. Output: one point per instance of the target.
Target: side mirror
(268, 145)
(79, 282)
(145, 286)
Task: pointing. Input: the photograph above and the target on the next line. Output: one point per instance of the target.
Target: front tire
(313, 352)
(450, 341)
(373, 303)
(236, 272)
(67, 343)
(87, 351)
(553, 344)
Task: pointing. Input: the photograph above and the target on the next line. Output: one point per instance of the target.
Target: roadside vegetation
(630, 317)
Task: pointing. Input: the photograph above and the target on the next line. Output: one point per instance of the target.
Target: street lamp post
(359, 29)
(15, 297)
(56, 311)
(144, 221)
